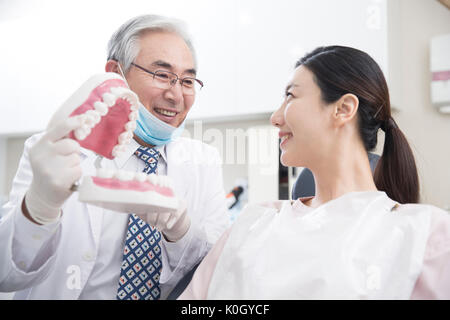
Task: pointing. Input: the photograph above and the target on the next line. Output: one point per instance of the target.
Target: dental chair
(182, 284)
(305, 185)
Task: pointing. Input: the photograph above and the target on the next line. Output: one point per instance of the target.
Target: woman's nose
(277, 118)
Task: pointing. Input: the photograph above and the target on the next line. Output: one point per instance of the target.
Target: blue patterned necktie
(141, 265)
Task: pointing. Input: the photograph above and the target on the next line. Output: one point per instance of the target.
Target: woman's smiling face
(304, 121)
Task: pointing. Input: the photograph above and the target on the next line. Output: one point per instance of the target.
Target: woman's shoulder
(434, 281)
(434, 211)
(439, 231)
(276, 204)
(266, 207)
(259, 212)
(439, 238)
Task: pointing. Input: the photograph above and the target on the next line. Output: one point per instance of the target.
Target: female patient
(361, 236)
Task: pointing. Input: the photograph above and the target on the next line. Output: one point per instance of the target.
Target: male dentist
(54, 247)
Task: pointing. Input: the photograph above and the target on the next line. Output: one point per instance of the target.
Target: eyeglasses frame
(173, 82)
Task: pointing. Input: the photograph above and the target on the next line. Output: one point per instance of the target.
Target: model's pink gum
(104, 136)
(133, 185)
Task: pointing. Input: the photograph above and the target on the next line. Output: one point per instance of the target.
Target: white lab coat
(196, 171)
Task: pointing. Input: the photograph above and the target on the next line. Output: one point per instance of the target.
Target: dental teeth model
(108, 112)
(129, 192)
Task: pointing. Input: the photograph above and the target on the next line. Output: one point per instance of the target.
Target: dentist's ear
(112, 66)
(345, 109)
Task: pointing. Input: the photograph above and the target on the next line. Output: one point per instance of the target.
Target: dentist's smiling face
(169, 52)
(304, 121)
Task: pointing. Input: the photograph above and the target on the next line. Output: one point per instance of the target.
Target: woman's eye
(287, 94)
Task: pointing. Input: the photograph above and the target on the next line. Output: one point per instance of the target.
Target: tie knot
(149, 156)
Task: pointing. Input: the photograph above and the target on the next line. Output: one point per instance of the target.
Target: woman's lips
(284, 136)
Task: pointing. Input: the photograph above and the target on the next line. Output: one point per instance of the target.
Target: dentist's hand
(172, 225)
(55, 162)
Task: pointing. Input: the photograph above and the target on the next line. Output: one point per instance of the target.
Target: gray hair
(124, 43)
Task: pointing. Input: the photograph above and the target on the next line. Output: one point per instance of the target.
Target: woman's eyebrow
(291, 85)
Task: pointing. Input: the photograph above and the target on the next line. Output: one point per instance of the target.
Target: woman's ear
(345, 109)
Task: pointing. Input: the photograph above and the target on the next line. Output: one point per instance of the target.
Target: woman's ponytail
(396, 171)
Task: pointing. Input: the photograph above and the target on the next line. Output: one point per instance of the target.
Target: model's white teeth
(133, 115)
(119, 91)
(130, 126)
(140, 176)
(94, 116)
(124, 175)
(101, 108)
(81, 133)
(165, 112)
(152, 178)
(118, 149)
(125, 137)
(124, 93)
(166, 181)
(91, 119)
(134, 106)
(88, 121)
(163, 181)
(109, 99)
(85, 126)
(105, 173)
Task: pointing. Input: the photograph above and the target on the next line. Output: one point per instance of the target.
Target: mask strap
(123, 74)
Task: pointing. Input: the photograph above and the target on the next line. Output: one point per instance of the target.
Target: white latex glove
(172, 225)
(55, 162)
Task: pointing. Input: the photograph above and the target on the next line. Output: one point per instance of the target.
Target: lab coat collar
(95, 213)
(177, 152)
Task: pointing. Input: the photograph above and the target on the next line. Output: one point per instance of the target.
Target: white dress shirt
(104, 279)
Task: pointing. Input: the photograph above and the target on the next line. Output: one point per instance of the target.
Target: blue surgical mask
(151, 129)
(154, 131)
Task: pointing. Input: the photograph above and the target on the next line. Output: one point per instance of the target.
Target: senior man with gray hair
(78, 251)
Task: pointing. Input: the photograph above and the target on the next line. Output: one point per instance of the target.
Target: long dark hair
(340, 70)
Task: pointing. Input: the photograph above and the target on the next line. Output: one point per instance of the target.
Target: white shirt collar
(129, 152)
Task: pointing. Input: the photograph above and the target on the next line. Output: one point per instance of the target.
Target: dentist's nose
(174, 93)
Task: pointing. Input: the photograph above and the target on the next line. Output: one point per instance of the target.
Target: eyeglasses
(165, 80)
